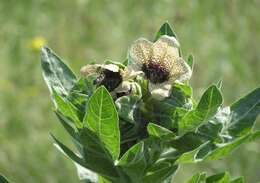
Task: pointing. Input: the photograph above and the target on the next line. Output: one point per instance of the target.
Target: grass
(224, 37)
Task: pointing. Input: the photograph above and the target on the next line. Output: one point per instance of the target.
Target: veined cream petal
(94, 68)
(165, 50)
(139, 53)
(180, 70)
(128, 86)
(129, 74)
(160, 91)
(171, 41)
(89, 70)
(111, 67)
(125, 86)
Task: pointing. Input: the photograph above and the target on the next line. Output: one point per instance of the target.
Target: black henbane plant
(136, 121)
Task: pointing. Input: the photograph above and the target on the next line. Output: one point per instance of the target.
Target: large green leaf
(190, 156)
(157, 131)
(209, 103)
(165, 30)
(222, 150)
(215, 129)
(216, 178)
(197, 178)
(67, 124)
(103, 180)
(103, 120)
(133, 162)
(69, 153)
(160, 159)
(96, 155)
(133, 155)
(57, 75)
(187, 142)
(255, 136)
(93, 159)
(238, 180)
(159, 172)
(210, 151)
(67, 109)
(219, 178)
(86, 175)
(244, 113)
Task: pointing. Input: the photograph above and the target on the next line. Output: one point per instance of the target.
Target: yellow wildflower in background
(37, 43)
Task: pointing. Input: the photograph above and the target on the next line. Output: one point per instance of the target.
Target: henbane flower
(118, 81)
(160, 62)
(108, 75)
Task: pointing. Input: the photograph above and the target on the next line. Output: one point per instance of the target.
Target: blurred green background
(223, 36)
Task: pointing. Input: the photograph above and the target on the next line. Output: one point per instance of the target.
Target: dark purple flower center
(155, 72)
(109, 79)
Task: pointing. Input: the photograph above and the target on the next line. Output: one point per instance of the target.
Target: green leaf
(165, 112)
(84, 86)
(80, 94)
(66, 123)
(255, 136)
(159, 132)
(238, 180)
(149, 160)
(56, 74)
(133, 162)
(210, 151)
(190, 156)
(79, 102)
(159, 172)
(219, 178)
(210, 131)
(244, 113)
(133, 155)
(209, 103)
(187, 142)
(103, 180)
(96, 155)
(165, 30)
(103, 120)
(197, 178)
(181, 90)
(3, 179)
(190, 61)
(216, 178)
(224, 149)
(69, 153)
(67, 109)
(86, 175)
(92, 159)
